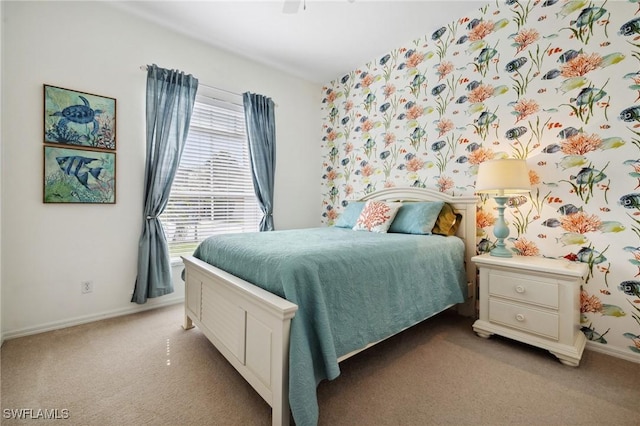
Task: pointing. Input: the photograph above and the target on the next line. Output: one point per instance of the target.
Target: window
(213, 190)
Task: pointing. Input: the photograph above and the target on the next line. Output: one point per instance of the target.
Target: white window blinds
(213, 191)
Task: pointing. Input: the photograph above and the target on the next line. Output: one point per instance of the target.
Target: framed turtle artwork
(74, 175)
(79, 118)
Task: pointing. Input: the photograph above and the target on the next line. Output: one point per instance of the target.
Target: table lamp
(502, 178)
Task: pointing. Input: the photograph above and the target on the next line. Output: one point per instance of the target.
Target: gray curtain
(170, 98)
(261, 132)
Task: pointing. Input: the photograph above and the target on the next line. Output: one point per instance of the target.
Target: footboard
(247, 324)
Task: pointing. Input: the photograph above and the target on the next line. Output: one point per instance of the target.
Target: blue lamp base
(501, 230)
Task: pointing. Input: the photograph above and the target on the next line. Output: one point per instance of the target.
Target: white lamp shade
(504, 176)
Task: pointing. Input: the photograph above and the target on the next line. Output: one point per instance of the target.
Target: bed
(284, 340)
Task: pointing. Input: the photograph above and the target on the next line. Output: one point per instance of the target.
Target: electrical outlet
(86, 287)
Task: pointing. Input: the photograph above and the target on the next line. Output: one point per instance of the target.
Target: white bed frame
(250, 326)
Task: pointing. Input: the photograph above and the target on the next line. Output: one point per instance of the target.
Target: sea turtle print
(82, 114)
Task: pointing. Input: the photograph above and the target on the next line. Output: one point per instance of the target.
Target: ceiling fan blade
(291, 6)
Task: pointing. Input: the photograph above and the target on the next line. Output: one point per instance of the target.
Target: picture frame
(79, 118)
(82, 176)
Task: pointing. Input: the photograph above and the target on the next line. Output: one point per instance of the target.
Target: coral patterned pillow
(376, 216)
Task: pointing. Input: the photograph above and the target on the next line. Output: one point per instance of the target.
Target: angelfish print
(79, 167)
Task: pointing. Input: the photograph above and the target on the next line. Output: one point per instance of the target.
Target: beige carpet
(143, 369)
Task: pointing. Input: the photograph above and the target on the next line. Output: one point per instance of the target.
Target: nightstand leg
(482, 333)
(571, 362)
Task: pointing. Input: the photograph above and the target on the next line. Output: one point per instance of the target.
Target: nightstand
(534, 300)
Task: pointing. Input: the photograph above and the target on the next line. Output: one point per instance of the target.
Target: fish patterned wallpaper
(555, 82)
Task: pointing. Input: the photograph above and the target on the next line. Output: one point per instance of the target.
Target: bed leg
(280, 410)
(280, 413)
(187, 322)
(467, 309)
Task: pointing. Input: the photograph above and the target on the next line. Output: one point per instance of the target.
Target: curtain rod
(144, 68)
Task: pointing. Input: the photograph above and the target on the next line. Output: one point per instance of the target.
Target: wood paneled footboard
(247, 324)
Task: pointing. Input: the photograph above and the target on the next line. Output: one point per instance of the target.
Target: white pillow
(376, 216)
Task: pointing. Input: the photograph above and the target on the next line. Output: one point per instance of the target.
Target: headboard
(466, 206)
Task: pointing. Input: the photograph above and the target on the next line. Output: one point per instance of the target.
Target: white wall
(47, 249)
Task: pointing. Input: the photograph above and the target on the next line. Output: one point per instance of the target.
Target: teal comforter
(352, 288)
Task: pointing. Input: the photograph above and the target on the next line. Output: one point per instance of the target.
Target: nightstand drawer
(530, 320)
(526, 289)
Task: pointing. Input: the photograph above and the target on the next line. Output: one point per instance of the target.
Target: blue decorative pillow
(350, 215)
(417, 217)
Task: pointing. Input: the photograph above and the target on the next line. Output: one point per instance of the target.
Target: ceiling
(319, 42)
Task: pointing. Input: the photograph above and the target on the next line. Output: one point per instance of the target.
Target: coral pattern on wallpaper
(554, 82)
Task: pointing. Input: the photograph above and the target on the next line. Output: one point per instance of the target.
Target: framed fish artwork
(79, 176)
(79, 118)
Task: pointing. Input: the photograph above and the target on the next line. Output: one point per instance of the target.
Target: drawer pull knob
(520, 289)
(520, 317)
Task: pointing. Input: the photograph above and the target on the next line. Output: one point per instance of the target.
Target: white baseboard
(56, 325)
(615, 352)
